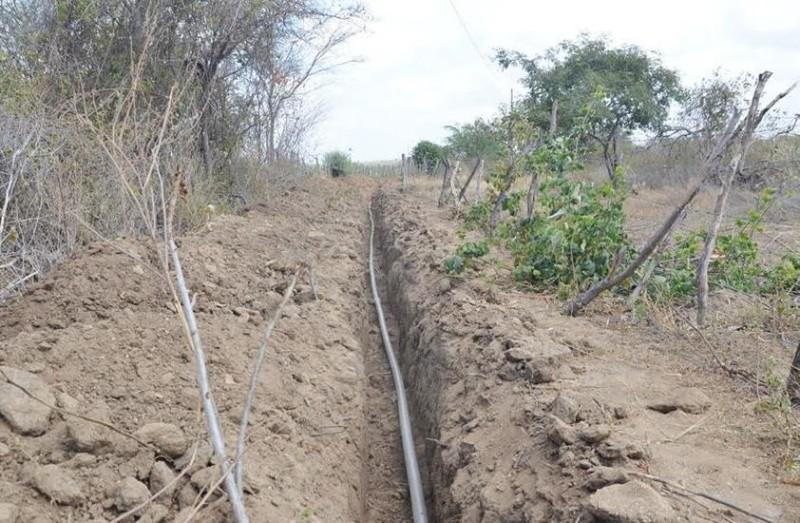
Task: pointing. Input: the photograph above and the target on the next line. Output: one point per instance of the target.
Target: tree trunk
(453, 175)
(445, 183)
(205, 146)
(403, 170)
(793, 381)
(463, 194)
(745, 140)
(711, 241)
(617, 156)
(553, 118)
(498, 205)
(478, 182)
(533, 189)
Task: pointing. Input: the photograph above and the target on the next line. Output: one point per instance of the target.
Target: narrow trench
(384, 490)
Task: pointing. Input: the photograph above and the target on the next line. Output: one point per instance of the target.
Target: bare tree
(614, 278)
(739, 130)
(745, 131)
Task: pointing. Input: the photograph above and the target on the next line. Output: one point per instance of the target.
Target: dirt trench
(488, 369)
(100, 337)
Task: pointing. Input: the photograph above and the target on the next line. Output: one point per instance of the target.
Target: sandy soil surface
(520, 413)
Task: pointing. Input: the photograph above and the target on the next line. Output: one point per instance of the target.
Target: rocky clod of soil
(25, 415)
(690, 401)
(85, 465)
(632, 502)
(167, 438)
(58, 485)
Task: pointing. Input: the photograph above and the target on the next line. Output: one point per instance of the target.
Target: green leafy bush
(575, 239)
(477, 216)
(427, 155)
(338, 163)
(464, 257)
(473, 250)
(783, 277)
(734, 265)
(454, 265)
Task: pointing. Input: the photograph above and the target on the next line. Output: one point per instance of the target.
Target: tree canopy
(473, 140)
(625, 89)
(427, 155)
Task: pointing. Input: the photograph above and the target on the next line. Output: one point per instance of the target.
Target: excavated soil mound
(528, 415)
(100, 336)
(520, 413)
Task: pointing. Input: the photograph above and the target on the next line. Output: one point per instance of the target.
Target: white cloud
(421, 72)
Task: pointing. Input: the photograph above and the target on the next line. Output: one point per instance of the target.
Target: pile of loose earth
(100, 337)
(528, 415)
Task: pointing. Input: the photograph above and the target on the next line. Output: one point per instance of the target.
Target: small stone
(56, 324)
(85, 436)
(186, 497)
(567, 459)
(201, 458)
(620, 412)
(168, 438)
(304, 297)
(67, 402)
(82, 459)
(605, 476)
(25, 415)
(595, 433)
(691, 401)
(516, 354)
(204, 478)
(279, 427)
(632, 502)
(560, 433)
(611, 451)
(565, 407)
(445, 285)
(161, 476)
(155, 514)
(118, 393)
(130, 493)
(4, 450)
(636, 452)
(57, 484)
(139, 465)
(8, 513)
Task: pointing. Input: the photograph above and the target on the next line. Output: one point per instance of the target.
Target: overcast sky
(420, 71)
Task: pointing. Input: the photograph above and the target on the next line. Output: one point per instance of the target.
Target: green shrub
(735, 263)
(454, 265)
(427, 155)
(575, 239)
(338, 163)
(473, 250)
(477, 216)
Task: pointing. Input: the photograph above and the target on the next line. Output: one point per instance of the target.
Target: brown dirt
(487, 362)
(100, 328)
(484, 364)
